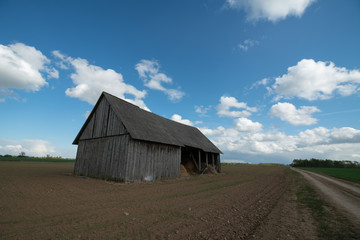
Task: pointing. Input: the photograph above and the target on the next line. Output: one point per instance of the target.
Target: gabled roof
(147, 126)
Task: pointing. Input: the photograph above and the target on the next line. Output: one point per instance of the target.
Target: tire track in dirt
(344, 195)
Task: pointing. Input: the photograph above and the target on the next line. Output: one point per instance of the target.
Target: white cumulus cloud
(149, 72)
(288, 112)
(90, 81)
(270, 10)
(178, 118)
(246, 125)
(226, 103)
(323, 136)
(22, 67)
(313, 80)
(247, 138)
(219, 131)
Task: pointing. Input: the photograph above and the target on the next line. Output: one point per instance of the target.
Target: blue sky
(266, 81)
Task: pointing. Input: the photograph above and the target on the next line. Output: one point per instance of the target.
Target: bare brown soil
(288, 220)
(44, 200)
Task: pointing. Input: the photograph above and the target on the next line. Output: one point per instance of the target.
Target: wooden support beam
(207, 161)
(218, 162)
(213, 161)
(193, 158)
(199, 161)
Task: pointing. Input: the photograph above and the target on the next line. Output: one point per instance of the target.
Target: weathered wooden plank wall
(88, 131)
(114, 125)
(123, 159)
(103, 123)
(102, 157)
(101, 116)
(151, 161)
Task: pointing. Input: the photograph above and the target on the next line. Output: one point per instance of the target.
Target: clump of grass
(307, 197)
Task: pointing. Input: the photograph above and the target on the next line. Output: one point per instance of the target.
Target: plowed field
(44, 200)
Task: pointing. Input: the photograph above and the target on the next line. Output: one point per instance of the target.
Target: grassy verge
(351, 174)
(330, 224)
(35, 159)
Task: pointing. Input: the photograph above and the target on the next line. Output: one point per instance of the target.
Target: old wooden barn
(122, 142)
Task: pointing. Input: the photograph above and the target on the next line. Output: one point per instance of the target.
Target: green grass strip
(351, 174)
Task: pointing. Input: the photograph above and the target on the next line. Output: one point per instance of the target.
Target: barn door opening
(196, 161)
(189, 160)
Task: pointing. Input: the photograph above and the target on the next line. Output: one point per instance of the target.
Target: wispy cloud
(202, 110)
(7, 93)
(149, 72)
(262, 82)
(339, 112)
(248, 43)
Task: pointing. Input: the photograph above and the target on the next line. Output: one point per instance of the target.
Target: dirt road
(344, 195)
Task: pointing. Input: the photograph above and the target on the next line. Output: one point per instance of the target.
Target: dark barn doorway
(197, 161)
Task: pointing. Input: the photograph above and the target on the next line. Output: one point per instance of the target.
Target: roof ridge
(150, 112)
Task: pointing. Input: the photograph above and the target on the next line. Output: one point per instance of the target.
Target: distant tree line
(23, 155)
(313, 162)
